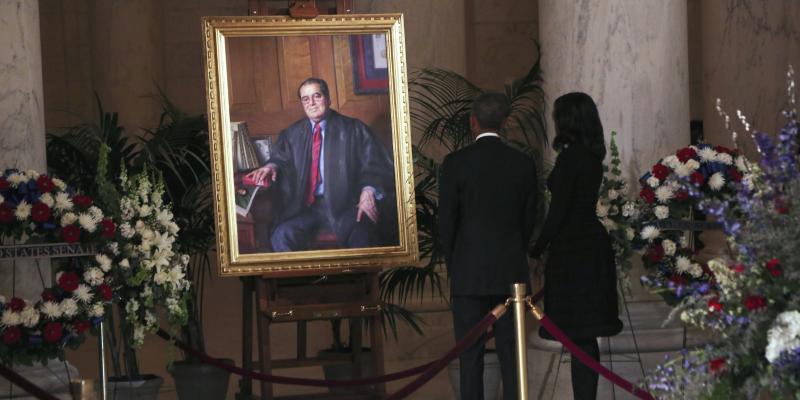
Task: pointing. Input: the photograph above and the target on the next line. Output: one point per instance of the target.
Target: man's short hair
(323, 86)
(491, 109)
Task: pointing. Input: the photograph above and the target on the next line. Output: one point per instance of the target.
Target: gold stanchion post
(518, 297)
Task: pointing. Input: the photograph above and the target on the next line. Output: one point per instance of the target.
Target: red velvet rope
(25, 384)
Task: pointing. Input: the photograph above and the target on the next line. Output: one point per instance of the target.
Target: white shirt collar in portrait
(486, 134)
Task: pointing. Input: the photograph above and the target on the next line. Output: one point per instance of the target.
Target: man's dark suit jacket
(487, 205)
(353, 159)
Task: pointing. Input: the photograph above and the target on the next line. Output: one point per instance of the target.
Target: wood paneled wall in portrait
(264, 74)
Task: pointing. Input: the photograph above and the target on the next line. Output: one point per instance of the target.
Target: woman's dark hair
(577, 120)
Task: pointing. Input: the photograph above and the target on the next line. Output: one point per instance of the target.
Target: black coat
(580, 293)
(353, 159)
(487, 205)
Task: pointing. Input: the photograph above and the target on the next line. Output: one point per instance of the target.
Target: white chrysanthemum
(87, 222)
(682, 264)
(29, 317)
(69, 307)
(683, 170)
(653, 182)
(692, 164)
(649, 233)
(47, 199)
(612, 194)
(671, 161)
(125, 264)
(630, 233)
(32, 174)
(97, 310)
(63, 202)
(131, 306)
(126, 230)
(59, 183)
(717, 181)
(145, 210)
(83, 293)
(664, 194)
(96, 213)
(103, 261)
(695, 270)
(51, 310)
(724, 158)
(16, 178)
(661, 212)
(93, 276)
(23, 210)
(10, 318)
(784, 335)
(707, 154)
(601, 209)
(669, 247)
(68, 219)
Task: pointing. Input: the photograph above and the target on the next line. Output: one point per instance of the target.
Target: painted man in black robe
(333, 176)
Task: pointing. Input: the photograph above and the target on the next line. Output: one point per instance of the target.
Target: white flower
(125, 264)
(163, 241)
(176, 275)
(68, 219)
(608, 224)
(114, 248)
(87, 222)
(682, 264)
(10, 318)
(664, 194)
(97, 310)
(724, 158)
(131, 306)
(683, 170)
(103, 261)
(59, 183)
(649, 233)
(784, 335)
(138, 334)
(29, 317)
(669, 247)
(601, 209)
(185, 259)
(126, 230)
(707, 154)
(629, 233)
(173, 306)
(612, 194)
(692, 164)
(96, 213)
(144, 211)
(51, 310)
(671, 161)
(173, 228)
(613, 210)
(16, 178)
(661, 212)
(139, 226)
(147, 292)
(69, 307)
(126, 208)
(63, 202)
(695, 270)
(629, 210)
(741, 163)
(23, 210)
(716, 182)
(47, 199)
(160, 277)
(150, 319)
(94, 276)
(684, 242)
(2, 199)
(83, 293)
(32, 174)
(653, 182)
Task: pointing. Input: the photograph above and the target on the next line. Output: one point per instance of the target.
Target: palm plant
(177, 150)
(441, 103)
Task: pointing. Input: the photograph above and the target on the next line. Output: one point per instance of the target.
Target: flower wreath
(670, 190)
(37, 207)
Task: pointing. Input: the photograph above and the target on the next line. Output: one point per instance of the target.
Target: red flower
(45, 184)
(16, 304)
(754, 302)
(660, 171)
(105, 291)
(681, 195)
(697, 178)
(685, 154)
(714, 305)
(723, 149)
(782, 205)
(68, 281)
(48, 295)
(108, 228)
(12, 335)
(82, 201)
(734, 174)
(81, 326)
(52, 332)
(678, 280)
(40, 212)
(648, 195)
(738, 268)
(774, 267)
(3, 184)
(716, 365)
(71, 233)
(655, 253)
(6, 213)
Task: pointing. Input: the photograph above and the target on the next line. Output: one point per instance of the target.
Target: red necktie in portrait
(314, 177)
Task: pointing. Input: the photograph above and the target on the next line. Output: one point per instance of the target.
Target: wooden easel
(353, 296)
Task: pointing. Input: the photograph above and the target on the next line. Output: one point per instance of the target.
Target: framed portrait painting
(310, 141)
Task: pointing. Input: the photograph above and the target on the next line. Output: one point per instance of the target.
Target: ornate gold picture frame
(312, 174)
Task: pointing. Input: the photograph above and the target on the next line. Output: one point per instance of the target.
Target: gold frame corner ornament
(230, 262)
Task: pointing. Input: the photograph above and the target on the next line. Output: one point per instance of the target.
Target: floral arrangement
(670, 191)
(37, 207)
(151, 272)
(617, 214)
(752, 304)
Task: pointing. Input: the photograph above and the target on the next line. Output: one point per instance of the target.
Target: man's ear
(474, 127)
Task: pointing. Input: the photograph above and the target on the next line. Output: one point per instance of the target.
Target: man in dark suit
(332, 175)
(487, 205)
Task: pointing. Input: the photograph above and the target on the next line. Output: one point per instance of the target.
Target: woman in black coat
(580, 293)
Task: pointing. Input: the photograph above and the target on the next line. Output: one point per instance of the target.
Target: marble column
(632, 58)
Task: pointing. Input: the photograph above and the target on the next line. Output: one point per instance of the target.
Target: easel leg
(246, 384)
(264, 353)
